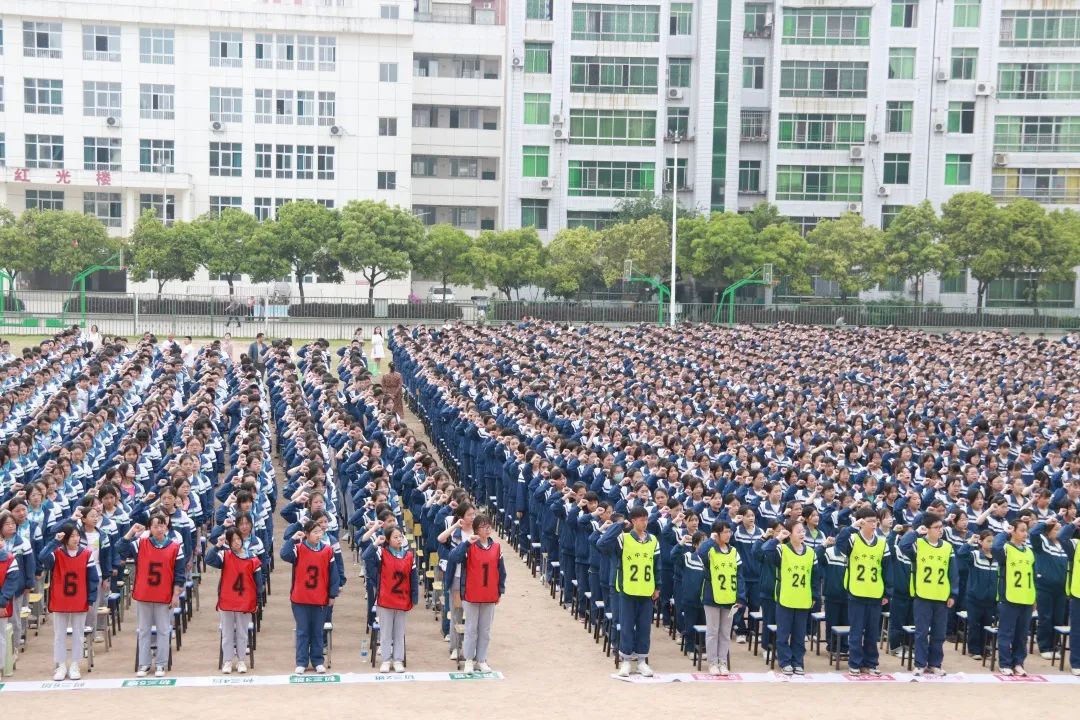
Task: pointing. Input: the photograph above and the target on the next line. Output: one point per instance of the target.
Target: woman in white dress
(378, 348)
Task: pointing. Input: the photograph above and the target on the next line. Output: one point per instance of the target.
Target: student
(935, 580)
(393, 565)
(158, 559)
(1051, 568)
(315, 584)
(1017, 596)
(796, 592)
(722, 593)
(483, 581)
(239, 589)
(866, 583)
(1072, 589)
(10, 586)
(74, 588)
(688, 575)
(636, 558)
(982, 589)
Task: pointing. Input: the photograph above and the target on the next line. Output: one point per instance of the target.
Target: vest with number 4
(1019, 575)
(724, 576)
(68, 590)
(1073, 585)
(236, 586)
(6, 610)
(482, 573)
(155, 568)
(864, 577)
(311, 575)
(395, 581)
(930, 573)
(793, 582)
(636, 576)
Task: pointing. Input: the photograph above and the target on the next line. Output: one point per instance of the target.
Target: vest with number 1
(636, 576)
(482, 573)
(68, 590)
(1019, 573)
(793, 582)
(930, 572)
(311, 575)
(155, 568)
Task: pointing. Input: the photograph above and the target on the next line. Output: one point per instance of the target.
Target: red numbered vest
(311, 575)
(154, 571)
(395, 581)
(237, 590)
(69, 592)
(6, 610)
(482, 573)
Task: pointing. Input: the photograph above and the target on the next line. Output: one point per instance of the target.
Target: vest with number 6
(6, 611)
(236, 586)
(155, 568)
(311, 575)
(636, 576)
(864, 577)
(482, 573)
(794, 589)
(1019, 575)
(724, 576)
(395, 581)
(1073, 585)
(68, 590)
(930, 572)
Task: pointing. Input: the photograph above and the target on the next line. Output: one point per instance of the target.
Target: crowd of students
(712, 472)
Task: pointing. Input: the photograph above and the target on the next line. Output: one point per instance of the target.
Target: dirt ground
(551, 666)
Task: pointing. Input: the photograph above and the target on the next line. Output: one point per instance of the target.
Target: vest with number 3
(311, 575)
(482, 574)
(395, 581)
(155, 568)
(68, 590)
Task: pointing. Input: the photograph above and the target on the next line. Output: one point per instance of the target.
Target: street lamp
(675, 139)
(163, 166)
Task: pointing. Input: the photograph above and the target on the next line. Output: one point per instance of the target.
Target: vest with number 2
(636, 576)
(482, 573)
(311, 575)
(395, 581)
(930, 572)
(793, 582)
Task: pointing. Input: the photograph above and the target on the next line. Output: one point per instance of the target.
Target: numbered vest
(724, 576)
(6, 610)
(793, 582)
(311, 575)
(930, 573)
(237, 590)
(482, 573)
(154, 571)
(636, 576)
(1073, 586)
(1019, 575)
(68, 590)
(395, 581)
(864, 577)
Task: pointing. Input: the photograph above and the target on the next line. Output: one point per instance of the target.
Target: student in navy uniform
(74, 582)
(1068, 539)
(688, 574)
(1051, 568)
(900, 608)
(796, 591)
(1017, 596)
(722, 593)
(483, 581)
(982, 589)
(239, 589)
(315, 584)
(635, 555)
(935, 581)
(867, 584)
(390, 561)
(746, 534)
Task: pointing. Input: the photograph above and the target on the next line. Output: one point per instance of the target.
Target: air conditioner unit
(857, 152)
(516, 62)
(854, 207)
(560, 134)
(983, 88)
(675, 93)
(1001, 159)
(336, 130)
(545, 184)
(113, 122)
(939, 127)
(883, 191)
(217, 126)
(942, 76)
(874, 138)
(556, 119)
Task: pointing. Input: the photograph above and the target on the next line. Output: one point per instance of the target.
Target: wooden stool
(699, 646)
(907, 648)
(818, 621)
(961, 632)
(837, 634)
(1061, 645)
(990, 636)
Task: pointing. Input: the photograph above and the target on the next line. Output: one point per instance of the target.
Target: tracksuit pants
(234, 635)
(931, 618)
(718, 633)
(566, 567)
(478, 620)
(309, 634)
(980, 614)
(899, 616)
(864, 619)
(751, 604)
(1014, 623)
(61, 622)
(790, 635)
(392, 633)
(1074, 633)
(150, 616)
(1053, 608)
(635, 626)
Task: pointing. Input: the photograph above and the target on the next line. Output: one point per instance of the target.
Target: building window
(826, 26)
(613, 127)
(538, 58)
(957, 169)
(678, 121)
(305, 107)
(464, 217)
(220, 202)
(749, 176)
(44, 151)
(604, 178)
(106, 207)
(1, 94)
(42, 39)
(157, 156)
(101, 99)
(156, 102)
(616, 23)
(898, 115)
(964, 62)
(101, 154)
(325, 161)
(905, 14)
(264, 106)
(264, 162)
(3, 150)
(1040, 28)
(680, 19)
(592, 219)
(754, 125)
(1038, 81)
(678, 173)
(897, 168)
(327, 53)
(283, 161)
(263, 208)
(389, 12)
(538, 9)
(537, 108)
(264, 50)
(1036, 133)
(901, 63)
(616, 75)
(44, 199)
(756, 19)
(165, 210)
(305, 52)
(679, 72)
(816, 131)
(826, 78)
(954, 284)
(387, 180)
(424, 166)
(1015, 290)
(966, 13)
(753, 73)
(101, 42)
(328, 108)
(305, 162)
(285, 51)
(534, 213)
(535, 161)
(819, 182)
(888, 214)
(388, 72)
(962, 117)
(1043, 184)
(156, 46)
(43, 97)
(226, 159)
(388, 126)
(227, 104)
(283, 107)
(226, 49)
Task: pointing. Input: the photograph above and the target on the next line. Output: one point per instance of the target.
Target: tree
(764, 215)
(974, 231)
(228, 240)
(573, 262)
(1042, 247)
(646, 242)
(643, 206)
(297, 242)
(378, 241)
(846, 251)
(784, 246)
(443, 254)
(66, 241)
(508, 259)
(169, 253)
(724, 249)
(913, 247)
(18, 251)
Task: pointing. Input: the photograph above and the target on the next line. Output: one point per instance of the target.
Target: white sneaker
(320, 669)
(1019, 670)
(399, 667)
(723, 670)
(644, 669)
(226, 668)
(299, 670)
(61, 672)
(160, 672)
(385, 667)
(917, 672)
(937, 672)
(740, 639)
(1076, 671)
(73, 672)
(1005, 671)
(787, 670)
(241, 667)
(714, 669)
(141, 672)
(483, 667)
(624, 669)
(468, 668)
(977, 658)
(1046, 655)
(454, 654)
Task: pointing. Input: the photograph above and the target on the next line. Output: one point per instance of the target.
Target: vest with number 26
(636, 573)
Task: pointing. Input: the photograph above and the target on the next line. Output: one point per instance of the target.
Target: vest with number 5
(311, 575)
(154, 570)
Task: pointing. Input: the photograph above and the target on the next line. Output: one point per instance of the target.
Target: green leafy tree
(784, 246)
(724, 249)
(66, 241)
(299, 242)
(643, 206)
(18, 252)
(974, 231)
(228, 243)
(1042, 246)
(646, 242)
(508, 260)
(378, 241)
(167, 253)
(573, 262)
(764, 215)
(847, 252)
(443, 254)
(913, 247)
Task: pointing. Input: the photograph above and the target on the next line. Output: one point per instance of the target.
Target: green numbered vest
(930, 572)
(793, 582)
(637, 566)
(864, 577)
(1019, 575)
(1073, 586)
(724, 575)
